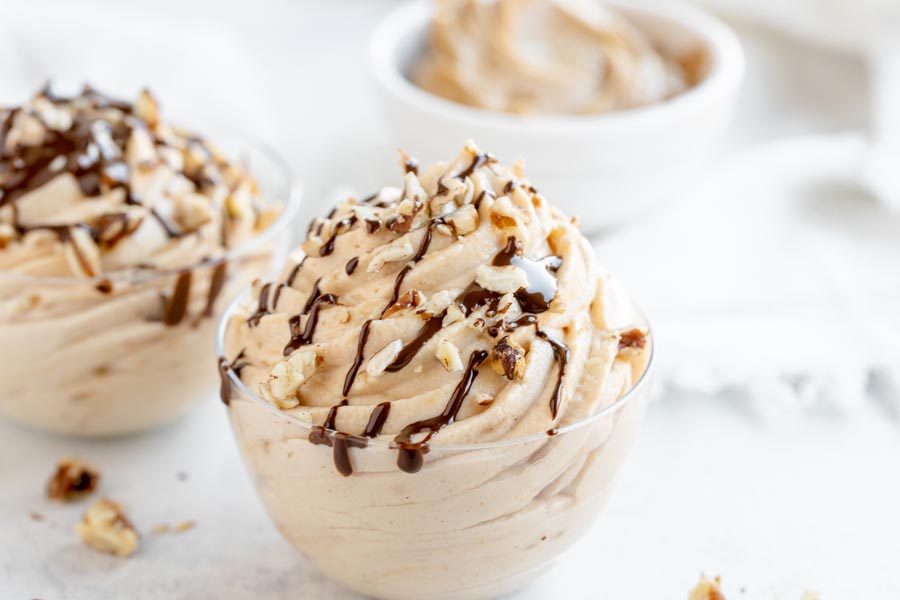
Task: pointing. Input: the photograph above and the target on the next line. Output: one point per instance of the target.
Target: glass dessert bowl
(439, 393)
(118, 256)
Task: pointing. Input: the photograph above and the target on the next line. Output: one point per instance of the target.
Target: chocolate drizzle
(358, 359)
(224, 382)
(294, 272)
(377, 420)
(176, 306)
(398, 281)
(561, 354)
(339, 228)
(372, 225)
(305, 337)
(340, 442)
(411, 454)
(262, 308)
(479, 160)
(219, 275)
(420, 254)
(411, 348)
(541, 289)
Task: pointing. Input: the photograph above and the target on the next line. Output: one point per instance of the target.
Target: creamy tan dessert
(115, 228)
(545, 57)
(436, 346)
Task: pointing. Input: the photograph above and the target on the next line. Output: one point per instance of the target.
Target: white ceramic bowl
(604, 168)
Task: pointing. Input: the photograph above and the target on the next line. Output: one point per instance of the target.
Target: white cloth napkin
(200, 71)
(778, 282)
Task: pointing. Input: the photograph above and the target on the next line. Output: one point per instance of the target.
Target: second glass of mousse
(435, 398)
(121, 240)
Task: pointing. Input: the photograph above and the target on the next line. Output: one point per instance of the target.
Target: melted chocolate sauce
(105, 286)
(420, 254)
(339, 228)
(262, 308)
(480, 159)
(339, 441)
(176, 307)
(541, 289)
(409, 351)
(377, 420)
(397, 283)
(561, 354)
(224, 382)
(411, 454)
(219, 276)
(357, 361)
(294, 272)
(305, 337)
(372, 225)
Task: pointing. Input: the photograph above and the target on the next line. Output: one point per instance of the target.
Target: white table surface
(774, 508)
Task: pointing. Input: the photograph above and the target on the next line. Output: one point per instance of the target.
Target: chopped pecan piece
(508, 359)
(72, 479)
(105, 528)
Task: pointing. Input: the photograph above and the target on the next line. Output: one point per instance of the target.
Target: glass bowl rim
(291, 199)
(640, 385)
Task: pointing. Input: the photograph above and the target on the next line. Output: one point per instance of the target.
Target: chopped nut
(240, 202)
(27, 130)
(411, 299)
(184, 526)
(72, 479)
(53, 117)
(384, 357)
(289, 375)
(454, 315)
(82, 253)
(105, 528)
(634, 339)
(707, 589)
(448, 354)
(192, 211)
(7, 234)
(501, 279)
(140, 149)
(146, 108)
(465, 220)
(434, 305)
(508, 219)
(399, 249)
(508, 359)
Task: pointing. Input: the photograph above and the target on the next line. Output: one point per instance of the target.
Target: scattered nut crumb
(185, 526)
(161, 529)
(707, 589)
(35, 516)
(105, 528)
(73, 478)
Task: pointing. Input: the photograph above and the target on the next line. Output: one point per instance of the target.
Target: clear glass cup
(129, 351)
(475, 522)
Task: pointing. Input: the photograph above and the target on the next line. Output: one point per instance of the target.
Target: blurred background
(773, 284)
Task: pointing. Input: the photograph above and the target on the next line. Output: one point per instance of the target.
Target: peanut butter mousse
(434, 342)
(114, 226)
(544, 57)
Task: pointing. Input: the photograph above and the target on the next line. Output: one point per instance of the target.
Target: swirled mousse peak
(545, 57)
(457, 308)
(91, 185)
